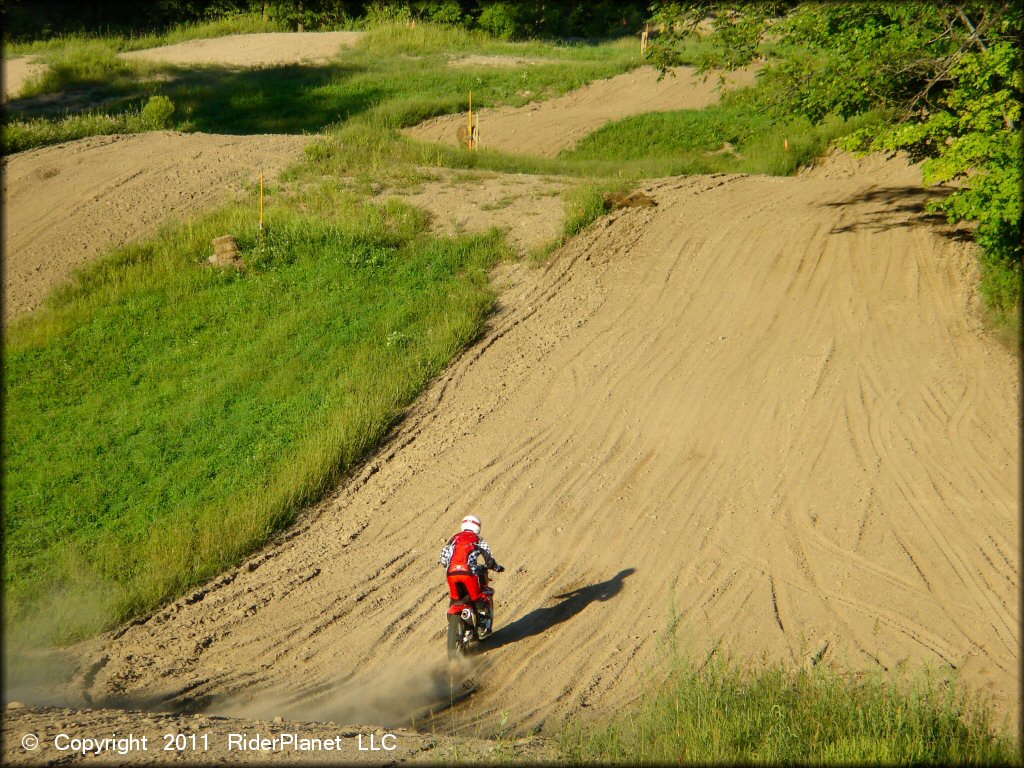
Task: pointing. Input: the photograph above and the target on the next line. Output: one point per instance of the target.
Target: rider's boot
(483, 614)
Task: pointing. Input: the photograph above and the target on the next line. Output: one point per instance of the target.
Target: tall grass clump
(163, 417)
(19, 135)
(721, 714)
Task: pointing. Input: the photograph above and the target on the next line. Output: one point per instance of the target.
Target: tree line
(36, 19)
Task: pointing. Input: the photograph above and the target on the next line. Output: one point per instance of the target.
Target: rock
(15, 705)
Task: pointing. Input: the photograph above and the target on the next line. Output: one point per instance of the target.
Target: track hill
(764, 407)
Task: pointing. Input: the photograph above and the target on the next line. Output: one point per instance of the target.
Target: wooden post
(643, 39)
(469, 136)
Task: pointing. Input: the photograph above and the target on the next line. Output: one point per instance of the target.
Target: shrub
(500, 20)
(157, 112)
(379, 13)
(442, 12)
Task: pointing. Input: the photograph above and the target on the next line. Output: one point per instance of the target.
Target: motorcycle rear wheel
(456, 637)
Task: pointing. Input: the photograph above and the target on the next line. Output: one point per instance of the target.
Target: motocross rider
(466, 576)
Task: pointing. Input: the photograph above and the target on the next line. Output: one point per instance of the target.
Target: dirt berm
(764, 409)
(547, 127)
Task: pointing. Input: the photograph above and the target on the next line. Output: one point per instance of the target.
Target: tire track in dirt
(721, 411)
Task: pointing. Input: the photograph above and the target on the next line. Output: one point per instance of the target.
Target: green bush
(442, 12)
(157, 112)
(500, 20)
(380, 13)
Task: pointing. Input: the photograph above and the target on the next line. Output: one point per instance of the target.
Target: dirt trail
(66, 204)
(547, 127)
(264, 49)
(764, 404)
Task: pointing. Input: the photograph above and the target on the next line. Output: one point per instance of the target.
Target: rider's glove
(499, 568)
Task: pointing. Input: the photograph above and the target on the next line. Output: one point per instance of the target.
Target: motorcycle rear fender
(455, 606)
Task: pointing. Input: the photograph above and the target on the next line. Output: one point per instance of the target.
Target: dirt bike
(466, 625)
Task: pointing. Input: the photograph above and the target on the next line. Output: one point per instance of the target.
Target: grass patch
(720, 714)
(1000, 287)
(20, 135)
(236, 24)
(163, 418)
(723, 138)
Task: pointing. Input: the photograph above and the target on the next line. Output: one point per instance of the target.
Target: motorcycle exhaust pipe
(467, 615)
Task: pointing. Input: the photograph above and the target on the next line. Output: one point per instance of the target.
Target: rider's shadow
(543, 619)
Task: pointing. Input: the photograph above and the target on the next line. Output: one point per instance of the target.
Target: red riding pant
(471, 583)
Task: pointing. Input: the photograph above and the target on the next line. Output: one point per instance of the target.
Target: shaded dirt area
(765, 407)
(547, 127)
(253, 50)
(66, 204)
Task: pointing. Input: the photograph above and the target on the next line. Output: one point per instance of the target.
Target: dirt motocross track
(764, 409)
(764, 405)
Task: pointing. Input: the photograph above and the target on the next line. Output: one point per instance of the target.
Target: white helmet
(471, 523)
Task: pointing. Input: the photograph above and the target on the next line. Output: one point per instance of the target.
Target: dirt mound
(547, 127)
(763, 408)
(17, 72)
(68, 203)
(254, 50)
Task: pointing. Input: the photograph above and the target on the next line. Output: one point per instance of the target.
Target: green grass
(229, 25)
(720, 714)
(694, 141)
(20, 135)
(163, 417)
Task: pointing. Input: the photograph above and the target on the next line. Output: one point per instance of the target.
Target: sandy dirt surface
(17, 71)
(205, 740)
(256, 50)
(66, 204)
(765, 405)
(529, 208)
(498, 61)
(547, 127)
